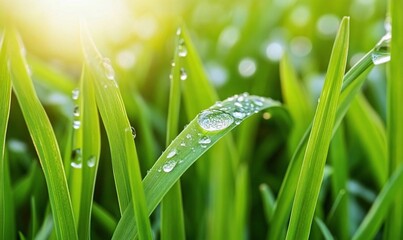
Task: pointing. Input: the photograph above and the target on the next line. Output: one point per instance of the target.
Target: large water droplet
(75, 94)
(381, 53)
(108, 69)
(169, 166)
(182, 50)
(214, 120)
(76, 158)
(172, 153)
(183, 74)
(204, 141)
(76, 111)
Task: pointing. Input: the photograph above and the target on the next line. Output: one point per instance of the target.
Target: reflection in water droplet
(204, 141)
(76, 124)
(214, 120)
(76, 158)
(108, 69)
(169, 166)
(75, 94)
(183, 74)
(381, 53)
(91, 161)
(238, 115)
(132, 130)
(172, 153)
(182, 50)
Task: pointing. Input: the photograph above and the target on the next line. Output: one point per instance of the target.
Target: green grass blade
(381, 207)
(123, 150)
(394, 224)
(34, 218)
(7, 226)
(104, 218)
(44, 140)
(296, 100)
(172, 219)
(199, 135)
(370, 130)
(312, 169)
(268, 201)
(352, 83)
(91, 147)
(323, 228)
(241, 203)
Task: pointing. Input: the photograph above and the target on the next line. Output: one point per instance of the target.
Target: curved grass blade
(104, 218)
(394, 117)
(310, 179)
(353, 80)
(172, 219)
(120, 134)
(200, 134)
(43, 138)
(323, 228)
(268, 201)
(7, 226)
(381, 207)
(91, 147)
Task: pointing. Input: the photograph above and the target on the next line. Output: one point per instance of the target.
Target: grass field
(201, 119)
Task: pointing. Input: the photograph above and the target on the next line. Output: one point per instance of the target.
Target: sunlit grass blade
(370, 130)
(381, 207)
(7, 226)
(339, 160)
(352, 83)
(199, 135)
(310, 179)
(296, 100)
(172, 222)
(268, 201)
(91, 147)
(394, 114)
(120, 134)
(43, 138)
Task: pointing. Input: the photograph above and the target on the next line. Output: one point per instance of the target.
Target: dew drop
(238, 115)
(108, 69)
(214, 120)
(381, 53)
(76, 111)
(183, 74)
(182, 50)
(172, 153)
(76, 124)
(169, 166)
(75, 94)
(178, 31)
(188, 136)
(183, 144)
(204, 141)
(91, 161)
(76, 158)
(132, 130)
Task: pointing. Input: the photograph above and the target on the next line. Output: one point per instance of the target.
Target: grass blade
(91, 147)
(352, 83)
(199, 135)
(7, 226)
(124, 156)
(318, 144)
(172, 220)
(323, 228)
(268, 201)
(44, 140)
(381, 207)
(394, 224)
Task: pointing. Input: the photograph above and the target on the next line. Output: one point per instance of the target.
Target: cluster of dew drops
(214, 120)
(182, 52)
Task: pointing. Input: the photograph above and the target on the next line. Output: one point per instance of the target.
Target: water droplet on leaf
(108, 69)
(204, 141)
(183, 74)
(75, 94)
(214, 120)
(169, 166)
(381, 53)
(172, 153)
(91, 161)
(76, 124)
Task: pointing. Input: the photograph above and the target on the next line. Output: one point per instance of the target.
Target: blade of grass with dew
(199, 135)
(172, 220)
(120, 134)
(7, 226)
(296, 100)
(313, 164)
(352, 83)
(43, 138)
(91, 147)
(268, 201)
(370, 130)
(394, 117)
(338, 158)
(198, 94)
(324, 229)
(381, 207)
